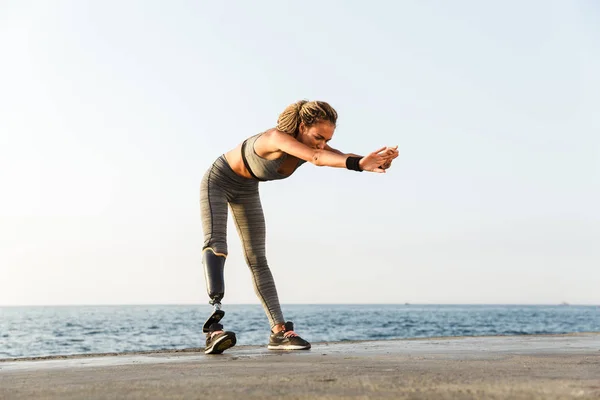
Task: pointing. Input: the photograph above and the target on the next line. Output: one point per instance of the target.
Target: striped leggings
(221, 187)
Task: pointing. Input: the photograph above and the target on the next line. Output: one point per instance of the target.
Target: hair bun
(309, 112)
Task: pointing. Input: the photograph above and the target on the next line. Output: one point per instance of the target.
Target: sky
(111, 112)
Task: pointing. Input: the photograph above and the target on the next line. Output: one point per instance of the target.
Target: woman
(303, 130)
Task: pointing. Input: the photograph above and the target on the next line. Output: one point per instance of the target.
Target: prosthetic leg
(217, 340)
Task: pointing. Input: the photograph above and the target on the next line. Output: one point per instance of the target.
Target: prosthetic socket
(213, 273)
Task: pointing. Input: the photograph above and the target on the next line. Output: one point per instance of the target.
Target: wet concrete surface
(499, 367)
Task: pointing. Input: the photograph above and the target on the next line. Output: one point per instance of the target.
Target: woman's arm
(327, 158)
(391, 152)
(280, 141)
(329, 148)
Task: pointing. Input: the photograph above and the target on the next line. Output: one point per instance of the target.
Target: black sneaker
(218, 340)
(287, 339)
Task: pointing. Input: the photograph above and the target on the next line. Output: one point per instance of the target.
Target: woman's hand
(375, 161)
(392, 152)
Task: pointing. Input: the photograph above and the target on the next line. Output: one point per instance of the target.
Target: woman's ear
(301, 128)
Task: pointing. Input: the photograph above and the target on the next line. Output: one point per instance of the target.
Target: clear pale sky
(110, 112)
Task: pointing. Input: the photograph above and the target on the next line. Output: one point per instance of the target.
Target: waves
(43, 331)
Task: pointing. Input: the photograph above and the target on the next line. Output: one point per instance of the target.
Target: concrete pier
(498, 367)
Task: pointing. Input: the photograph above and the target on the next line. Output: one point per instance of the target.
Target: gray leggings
(222, 186)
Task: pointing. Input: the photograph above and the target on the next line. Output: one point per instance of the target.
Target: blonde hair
(309, 112)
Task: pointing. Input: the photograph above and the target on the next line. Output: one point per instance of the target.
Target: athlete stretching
(303, 130)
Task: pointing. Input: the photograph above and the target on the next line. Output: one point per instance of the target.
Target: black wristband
(352, 163)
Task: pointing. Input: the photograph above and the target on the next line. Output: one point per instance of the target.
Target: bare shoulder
(273, 139)
(274, 134)
(268, 144)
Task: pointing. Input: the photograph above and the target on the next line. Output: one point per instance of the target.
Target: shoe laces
(288, 334)
(215, 329)
(215, 333)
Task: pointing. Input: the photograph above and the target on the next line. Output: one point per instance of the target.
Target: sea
(67, 330)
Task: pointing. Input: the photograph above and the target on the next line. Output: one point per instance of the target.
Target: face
(317, 135)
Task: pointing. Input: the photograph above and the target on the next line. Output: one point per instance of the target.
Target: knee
(217, 246)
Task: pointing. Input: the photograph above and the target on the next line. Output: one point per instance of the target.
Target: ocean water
(45, 331)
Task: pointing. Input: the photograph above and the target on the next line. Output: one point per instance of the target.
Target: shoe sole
(288, 347)
(222, 344)
(215, 317)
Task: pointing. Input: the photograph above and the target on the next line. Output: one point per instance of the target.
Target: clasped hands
(379, 160)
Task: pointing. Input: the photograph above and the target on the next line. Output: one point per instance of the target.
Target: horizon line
(291, 304)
